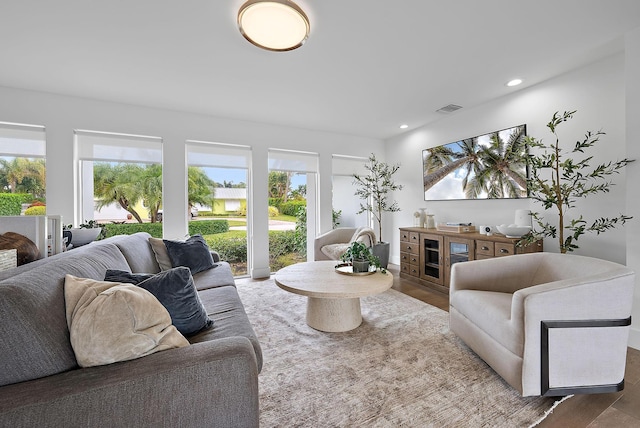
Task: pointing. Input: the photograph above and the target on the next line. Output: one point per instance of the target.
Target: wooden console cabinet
(426, 255)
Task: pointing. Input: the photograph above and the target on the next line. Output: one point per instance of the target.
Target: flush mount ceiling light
(514, 82)
(275, 25)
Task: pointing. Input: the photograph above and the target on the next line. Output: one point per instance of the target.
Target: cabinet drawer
(503, 249)
(404, 236)
(413, 259)
(414, 237)
(410, 269)
(484, 248)
(409, 247)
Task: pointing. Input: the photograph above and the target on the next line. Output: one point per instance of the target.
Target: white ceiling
(367, 67)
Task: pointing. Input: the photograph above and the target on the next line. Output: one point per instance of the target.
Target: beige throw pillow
(160, 250)
(334, 251)
(111, 321)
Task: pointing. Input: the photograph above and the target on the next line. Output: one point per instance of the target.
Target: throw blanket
(366, 235)
(362, 234)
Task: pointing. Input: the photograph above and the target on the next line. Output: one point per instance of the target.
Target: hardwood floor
(615, 410)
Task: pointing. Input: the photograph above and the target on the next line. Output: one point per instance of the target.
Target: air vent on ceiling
(450, 108)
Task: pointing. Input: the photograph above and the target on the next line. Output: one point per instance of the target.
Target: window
(119, 176)
(344, 201)
(22, 169)
(292, 191)
(217, 188)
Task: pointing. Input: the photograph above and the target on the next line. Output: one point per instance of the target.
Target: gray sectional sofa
(211, 382)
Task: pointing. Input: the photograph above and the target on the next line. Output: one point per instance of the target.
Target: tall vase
(423, 217)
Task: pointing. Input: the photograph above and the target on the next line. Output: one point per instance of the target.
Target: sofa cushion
(230, 319)
(219, 277)
(110, 322)
(137, 250)
(192, 253)
(34, 338)
(175, 289)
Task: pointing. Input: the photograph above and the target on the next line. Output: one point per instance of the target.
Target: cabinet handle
(504, 250)
(485, 248)
(413, 237)
(409, 247)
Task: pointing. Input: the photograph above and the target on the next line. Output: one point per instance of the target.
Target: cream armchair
(549, 324)
(331, 245)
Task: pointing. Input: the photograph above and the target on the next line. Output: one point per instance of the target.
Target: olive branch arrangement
(558, 181)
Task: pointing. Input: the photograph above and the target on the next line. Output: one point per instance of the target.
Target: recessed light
(514, 82)
(404, 126)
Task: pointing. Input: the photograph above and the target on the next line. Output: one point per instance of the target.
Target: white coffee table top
(320, 280)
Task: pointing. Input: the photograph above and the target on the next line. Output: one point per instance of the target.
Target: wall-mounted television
(488, 166)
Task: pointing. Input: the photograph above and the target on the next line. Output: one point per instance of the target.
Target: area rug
(401, 368)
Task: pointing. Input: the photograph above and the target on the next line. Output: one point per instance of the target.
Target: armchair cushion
(491, 311)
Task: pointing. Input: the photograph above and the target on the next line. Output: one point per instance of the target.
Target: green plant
(113, 229)
(273, 211)
(291, 207)
(358, 251)
(300, 232)
(374, 188)
(558, 181)
(11, 203)
(37, 210)
(208, 227)
(88, 224)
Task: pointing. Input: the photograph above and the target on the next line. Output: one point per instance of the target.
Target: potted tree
(373, 189)
(557, 181)
(360, 257)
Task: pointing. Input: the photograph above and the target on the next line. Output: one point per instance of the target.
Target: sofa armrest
(205, 384)
(501, 274)
(334, 236)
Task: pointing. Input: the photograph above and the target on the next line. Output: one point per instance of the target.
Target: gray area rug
(401, 368)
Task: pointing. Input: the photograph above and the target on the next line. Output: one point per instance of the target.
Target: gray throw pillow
(192, 253)
(176, 291)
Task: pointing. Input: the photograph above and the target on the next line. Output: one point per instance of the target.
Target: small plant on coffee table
(358, 253)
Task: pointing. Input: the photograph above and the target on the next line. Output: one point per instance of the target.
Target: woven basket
(27, 251)
(8, 259)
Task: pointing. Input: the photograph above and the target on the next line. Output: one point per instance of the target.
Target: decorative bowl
(83, 236)
(513, 231)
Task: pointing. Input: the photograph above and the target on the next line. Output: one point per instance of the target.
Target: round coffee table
(333, 299)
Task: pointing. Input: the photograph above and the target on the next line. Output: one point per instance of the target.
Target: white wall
(61, 115)
(597, 92)
(633, 176)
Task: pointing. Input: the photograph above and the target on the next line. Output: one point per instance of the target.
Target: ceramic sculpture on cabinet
(423, 217)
